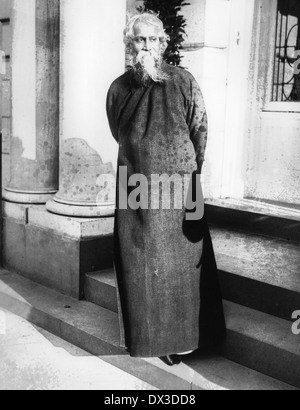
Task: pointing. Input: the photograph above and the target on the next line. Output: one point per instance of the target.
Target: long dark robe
(169, 293)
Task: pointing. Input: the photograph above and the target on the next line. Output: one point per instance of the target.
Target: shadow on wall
(81, 167)
(30, 174)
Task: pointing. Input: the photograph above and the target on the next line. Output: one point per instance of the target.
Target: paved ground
(33, 359)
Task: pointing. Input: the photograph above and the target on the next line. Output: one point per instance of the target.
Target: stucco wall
(276, 175)
(93, 36)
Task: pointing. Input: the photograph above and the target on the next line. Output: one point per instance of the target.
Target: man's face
(146, 38)
(147, 54)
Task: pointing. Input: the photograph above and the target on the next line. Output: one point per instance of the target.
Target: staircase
(257, 251)
(259, 268)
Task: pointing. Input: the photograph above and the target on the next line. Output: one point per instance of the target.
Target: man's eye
(153, 39)
(139, 40)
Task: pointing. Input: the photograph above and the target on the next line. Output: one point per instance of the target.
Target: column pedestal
(80, 211)
(27, 197)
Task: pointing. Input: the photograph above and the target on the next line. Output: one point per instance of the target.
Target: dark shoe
(172, 360)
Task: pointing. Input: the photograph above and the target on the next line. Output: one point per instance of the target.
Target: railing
(286, 84)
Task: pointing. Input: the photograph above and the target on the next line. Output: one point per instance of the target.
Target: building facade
(60, 58)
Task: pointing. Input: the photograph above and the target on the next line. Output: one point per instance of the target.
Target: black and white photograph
(150, 207)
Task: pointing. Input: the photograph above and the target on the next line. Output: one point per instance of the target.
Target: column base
(27, 197)
(77, 210)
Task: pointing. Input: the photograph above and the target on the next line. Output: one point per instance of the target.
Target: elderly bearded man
(169, 296)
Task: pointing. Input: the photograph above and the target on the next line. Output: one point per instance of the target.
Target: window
(286, 85)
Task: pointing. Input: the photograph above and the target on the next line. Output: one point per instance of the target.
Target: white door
(221, 65)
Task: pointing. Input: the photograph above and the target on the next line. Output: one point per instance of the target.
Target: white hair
(148, 18)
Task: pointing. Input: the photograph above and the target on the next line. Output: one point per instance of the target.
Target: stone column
(92, 56)
(35, 101)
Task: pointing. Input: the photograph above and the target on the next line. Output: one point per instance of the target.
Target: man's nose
(147, 45)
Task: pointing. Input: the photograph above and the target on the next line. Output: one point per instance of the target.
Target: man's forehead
(146, 29)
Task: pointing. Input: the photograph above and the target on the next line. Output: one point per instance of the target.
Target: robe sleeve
(197, 122)
(111, 113)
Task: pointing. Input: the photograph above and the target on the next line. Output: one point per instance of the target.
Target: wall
(276, 175)
(93, 35)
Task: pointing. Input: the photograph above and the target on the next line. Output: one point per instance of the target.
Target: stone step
(96, 330)
(267, 342)
(100, 289)
(262, 342)
(254, 216)
(257, 272)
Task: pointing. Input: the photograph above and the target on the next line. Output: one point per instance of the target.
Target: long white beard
(147, 68)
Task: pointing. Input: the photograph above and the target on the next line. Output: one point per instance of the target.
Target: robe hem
(157, 355)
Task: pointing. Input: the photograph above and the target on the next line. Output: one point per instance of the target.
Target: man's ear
(163, 47)
(129, 48)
